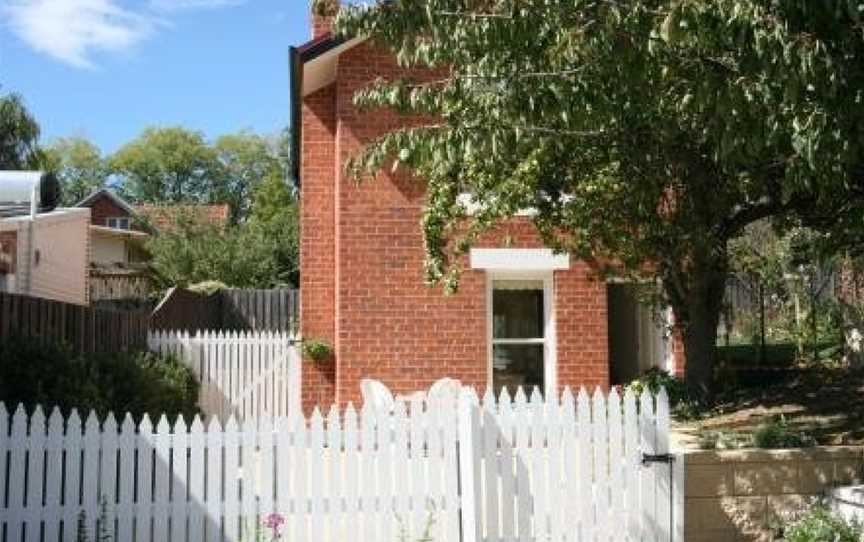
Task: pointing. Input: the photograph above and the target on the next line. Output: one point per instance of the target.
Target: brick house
(116, 237)
(522, 316)
(119, 229)
(119, 232)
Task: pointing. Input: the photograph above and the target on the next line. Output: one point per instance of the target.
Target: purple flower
(274, 522)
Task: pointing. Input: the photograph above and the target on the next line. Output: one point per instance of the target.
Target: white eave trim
(117, 232)
(518, 259)
(321, 71)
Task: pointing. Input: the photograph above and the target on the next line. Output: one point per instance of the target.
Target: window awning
(518, 259)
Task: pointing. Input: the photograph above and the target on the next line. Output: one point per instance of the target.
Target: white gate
(250, 375)
(519, 471)
(578, 469)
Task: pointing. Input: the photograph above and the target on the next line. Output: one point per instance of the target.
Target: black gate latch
(657, 458)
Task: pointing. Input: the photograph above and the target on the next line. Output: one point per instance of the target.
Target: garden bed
(824, 403)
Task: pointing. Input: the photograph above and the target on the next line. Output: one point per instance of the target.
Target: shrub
(778, 434)
(653, 379)
(208, 287)
(820, 525)
(138, 383)
(722, 439)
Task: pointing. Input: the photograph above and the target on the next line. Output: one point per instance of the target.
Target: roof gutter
(296, 69)
(298, 57)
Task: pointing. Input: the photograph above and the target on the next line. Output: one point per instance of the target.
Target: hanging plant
(317, 349)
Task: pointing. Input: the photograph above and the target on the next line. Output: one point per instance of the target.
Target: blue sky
(106, 69)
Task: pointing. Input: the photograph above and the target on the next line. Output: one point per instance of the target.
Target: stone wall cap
(757, 455)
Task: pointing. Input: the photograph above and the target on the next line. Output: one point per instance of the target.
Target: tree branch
(471, 77)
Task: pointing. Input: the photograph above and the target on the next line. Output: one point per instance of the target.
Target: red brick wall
(371, 299)
(318, 278)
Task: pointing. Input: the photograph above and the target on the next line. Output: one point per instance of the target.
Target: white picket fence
(248, 375)
(466, 471)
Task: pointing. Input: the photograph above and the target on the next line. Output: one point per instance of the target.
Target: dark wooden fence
(238, 310)
(85, 329)
(261, 310)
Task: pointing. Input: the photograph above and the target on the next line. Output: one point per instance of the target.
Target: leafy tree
(194, 252)
(79, 165)
(170, 164)
(274, 226)
(787, 276)
(246, 160)
(284, 152)
(271, 199)
(19, 134)
(259, 253)
(646, 134)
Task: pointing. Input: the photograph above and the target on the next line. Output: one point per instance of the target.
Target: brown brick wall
(103, 208)
(370, 300)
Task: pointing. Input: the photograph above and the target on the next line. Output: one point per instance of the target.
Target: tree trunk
(697, 314)
(700, 350)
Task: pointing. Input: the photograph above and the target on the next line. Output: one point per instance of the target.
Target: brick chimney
(323, 14)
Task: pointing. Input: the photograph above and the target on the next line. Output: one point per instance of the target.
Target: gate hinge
(657, 458)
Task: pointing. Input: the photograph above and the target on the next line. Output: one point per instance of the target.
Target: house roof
(313, 67)
(110, 194)
(167, 217)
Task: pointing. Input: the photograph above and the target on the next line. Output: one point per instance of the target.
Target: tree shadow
(68, 480)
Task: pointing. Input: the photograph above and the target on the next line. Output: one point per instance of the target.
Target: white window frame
(117, 221)
(550, 366)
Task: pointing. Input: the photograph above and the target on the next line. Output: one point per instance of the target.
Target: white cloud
(179, 5)
(72, 30)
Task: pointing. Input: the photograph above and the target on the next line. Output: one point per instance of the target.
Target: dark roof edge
(298, 56)
(123, 204)
(313, 49)
(296, 77)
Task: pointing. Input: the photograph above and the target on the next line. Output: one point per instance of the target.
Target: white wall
(60, 256)
(105, 249)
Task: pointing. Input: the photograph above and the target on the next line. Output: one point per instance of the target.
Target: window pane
(517, 310)
(515, 365)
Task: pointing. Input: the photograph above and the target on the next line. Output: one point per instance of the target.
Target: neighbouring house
(523, 314)
(43, 249)
(118, 258)
(120, 229)
(118, 236)
(119, 232)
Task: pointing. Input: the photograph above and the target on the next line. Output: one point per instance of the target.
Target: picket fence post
(469, 465)
(249, 374)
